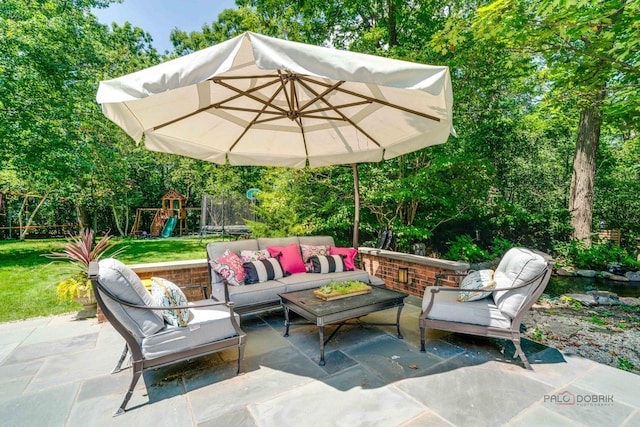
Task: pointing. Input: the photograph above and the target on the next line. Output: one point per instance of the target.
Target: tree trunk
(116, 219)
(393, 32)
(584, 170)
(24, 231)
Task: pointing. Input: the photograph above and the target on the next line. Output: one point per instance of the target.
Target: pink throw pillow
(229, 266)
(289, 257)
(349, 256)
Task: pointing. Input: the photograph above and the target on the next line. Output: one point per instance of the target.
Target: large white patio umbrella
(257, 100)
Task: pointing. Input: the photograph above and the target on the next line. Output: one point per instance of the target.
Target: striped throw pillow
(262, 270)
(328, 264)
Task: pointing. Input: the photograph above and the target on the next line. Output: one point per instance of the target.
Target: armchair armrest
(151, 307)
(442, 275)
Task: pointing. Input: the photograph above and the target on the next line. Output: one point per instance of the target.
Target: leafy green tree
(589, 53)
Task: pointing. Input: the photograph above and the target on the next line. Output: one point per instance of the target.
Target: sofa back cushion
(263, 242)
(517, 267)
(316, 240)
(123, 283)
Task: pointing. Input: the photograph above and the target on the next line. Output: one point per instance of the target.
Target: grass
(28, 279)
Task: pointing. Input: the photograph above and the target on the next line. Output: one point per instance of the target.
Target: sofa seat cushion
(209, 324)
(257, 293)
(517, 267)
(481, 312)
(302, 281)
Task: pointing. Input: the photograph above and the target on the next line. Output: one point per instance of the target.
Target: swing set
(21, 219)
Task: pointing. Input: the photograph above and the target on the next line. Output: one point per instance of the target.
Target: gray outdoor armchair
(521, 277)
(130, 309)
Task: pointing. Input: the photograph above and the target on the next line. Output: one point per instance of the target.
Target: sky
(159, 17)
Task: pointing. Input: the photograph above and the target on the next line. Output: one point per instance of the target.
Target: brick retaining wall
(193, 276)
(421, 270)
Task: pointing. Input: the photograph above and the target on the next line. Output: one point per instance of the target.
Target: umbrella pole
(356, 192)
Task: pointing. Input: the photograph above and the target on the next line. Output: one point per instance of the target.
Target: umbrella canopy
(256, 100)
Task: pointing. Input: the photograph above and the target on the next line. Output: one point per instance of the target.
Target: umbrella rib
(218, 104)
(344, 117)
(369, 98)
(253, 110)
(255, 119)
(283, 83)
(318, 97)
(298, 117)
(240, 94)
(351, 104)
(249, 95)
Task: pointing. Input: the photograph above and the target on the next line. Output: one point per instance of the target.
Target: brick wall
(191, 276)
(421, 270)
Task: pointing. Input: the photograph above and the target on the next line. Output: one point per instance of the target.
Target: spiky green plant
(80, 251)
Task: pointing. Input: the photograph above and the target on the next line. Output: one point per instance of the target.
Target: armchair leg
(137, 372)
(520, 353)
(118, 366)
(422, 347)
(240, 358)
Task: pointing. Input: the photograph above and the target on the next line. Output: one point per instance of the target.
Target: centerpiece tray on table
(336, 290)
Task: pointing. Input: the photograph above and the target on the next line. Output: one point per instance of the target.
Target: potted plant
(81, 250)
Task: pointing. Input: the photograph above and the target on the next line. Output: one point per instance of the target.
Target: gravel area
(608, 334)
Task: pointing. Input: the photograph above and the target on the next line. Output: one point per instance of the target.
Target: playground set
(173, 212)
(23, 214)
(219, 215)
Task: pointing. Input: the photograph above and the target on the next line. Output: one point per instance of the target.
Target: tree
(52, 133)
(589, 52)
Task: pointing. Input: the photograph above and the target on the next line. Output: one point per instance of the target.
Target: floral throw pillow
(248, 256)
(476, 280)
(168, 294)
(309, 251)
(229, 266)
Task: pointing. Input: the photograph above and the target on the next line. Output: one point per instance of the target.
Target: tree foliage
(524, 73)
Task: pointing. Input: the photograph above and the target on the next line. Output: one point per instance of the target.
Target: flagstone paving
(55, 372)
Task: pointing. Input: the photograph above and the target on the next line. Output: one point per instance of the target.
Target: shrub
(595, 257)
(465, 249)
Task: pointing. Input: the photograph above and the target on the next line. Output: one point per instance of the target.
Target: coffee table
(322, 313)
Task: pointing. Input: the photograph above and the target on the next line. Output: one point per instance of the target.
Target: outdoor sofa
(255, 297)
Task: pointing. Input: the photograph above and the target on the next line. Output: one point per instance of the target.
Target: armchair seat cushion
(209, 324)
(480, 312)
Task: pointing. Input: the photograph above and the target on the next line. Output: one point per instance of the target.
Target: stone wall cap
(416, 259)
(162, 266)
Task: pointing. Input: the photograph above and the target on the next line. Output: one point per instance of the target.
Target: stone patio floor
(54, 371)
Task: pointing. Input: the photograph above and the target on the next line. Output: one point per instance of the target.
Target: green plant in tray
(343, 287)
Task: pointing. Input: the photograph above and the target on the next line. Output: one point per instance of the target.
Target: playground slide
(169, 226)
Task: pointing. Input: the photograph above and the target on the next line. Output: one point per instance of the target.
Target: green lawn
(28, 279)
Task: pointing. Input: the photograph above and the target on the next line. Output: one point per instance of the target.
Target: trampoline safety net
(225, 214)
